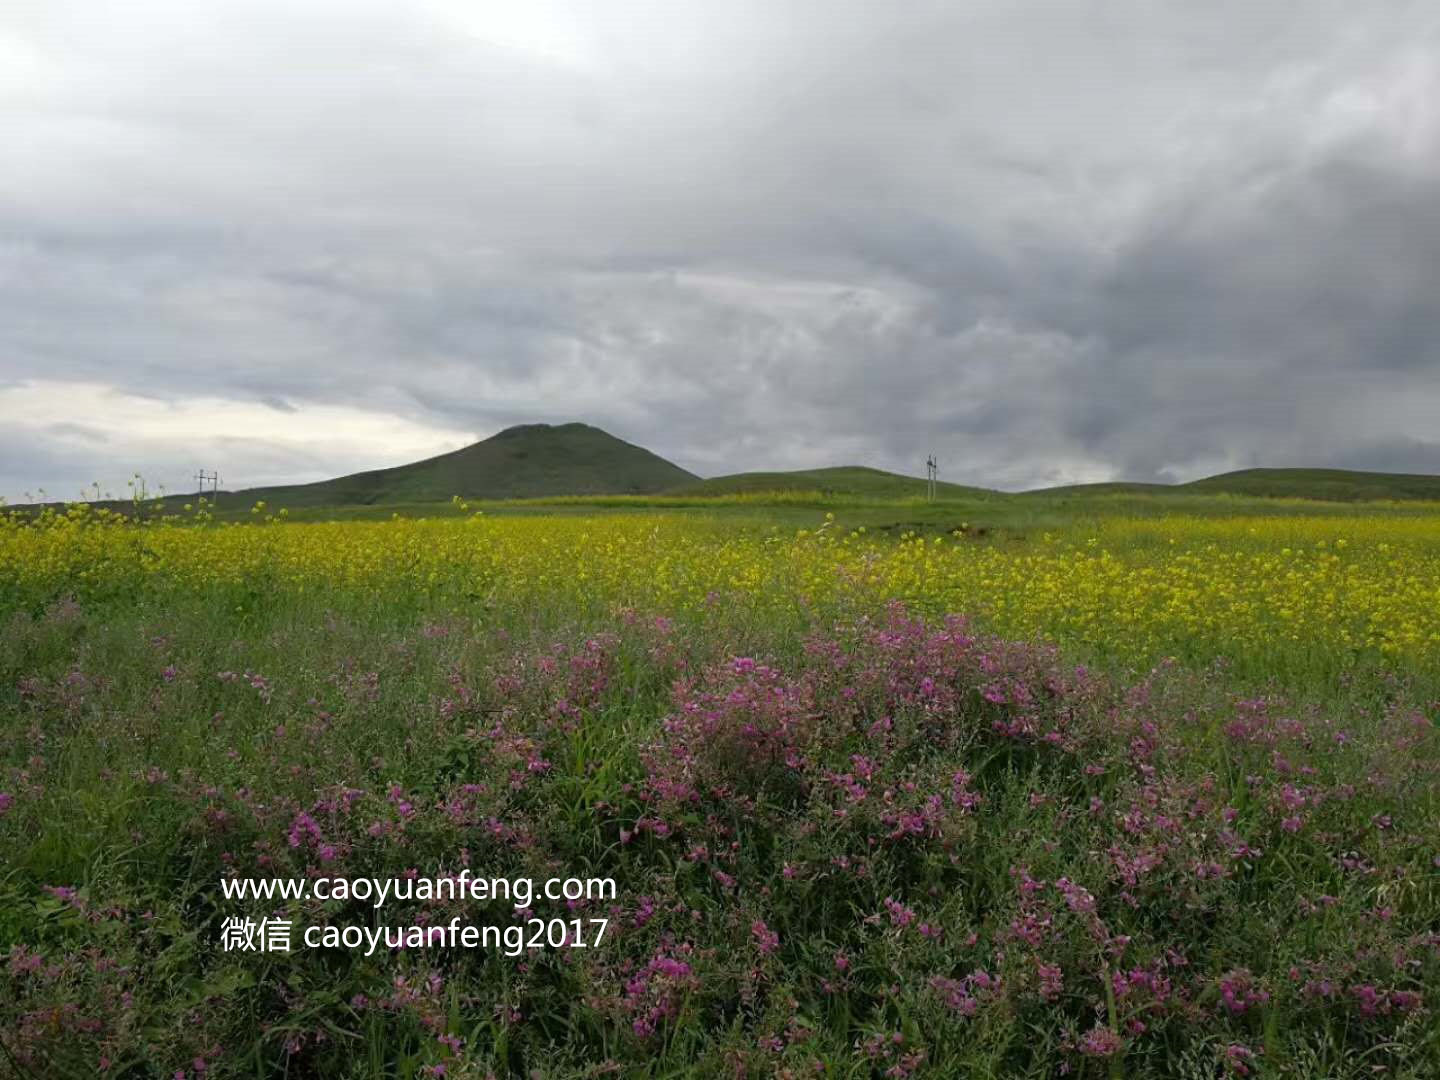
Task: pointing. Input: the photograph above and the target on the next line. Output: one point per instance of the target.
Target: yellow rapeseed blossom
(1277, 590)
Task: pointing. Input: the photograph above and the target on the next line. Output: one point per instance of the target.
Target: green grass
(140, 790)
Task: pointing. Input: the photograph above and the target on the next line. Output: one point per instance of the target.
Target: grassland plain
(1145, 791)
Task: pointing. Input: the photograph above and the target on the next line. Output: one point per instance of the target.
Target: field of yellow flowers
(1150, 795)
(1285, 596)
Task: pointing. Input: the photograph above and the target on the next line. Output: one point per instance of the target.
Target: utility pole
(932, 471)
(213, 479)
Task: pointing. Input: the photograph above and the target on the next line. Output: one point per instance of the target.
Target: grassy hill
(575, 461)
(1333, 485)
(1339, 485)
(1113, 487)
(525, 462)
(844, 480)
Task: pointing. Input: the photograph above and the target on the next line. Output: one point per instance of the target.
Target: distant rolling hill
(544, 461)
(844, 480)
(1334, 485)
(1341, 485)
(525, 462)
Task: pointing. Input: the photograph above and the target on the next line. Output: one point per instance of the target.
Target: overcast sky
(1048, 241)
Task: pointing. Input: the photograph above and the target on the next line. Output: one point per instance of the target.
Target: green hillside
(844, 480)
(524, 462)
(1340, 485)
(1332, 485)
(1114, 487)
(575, 460)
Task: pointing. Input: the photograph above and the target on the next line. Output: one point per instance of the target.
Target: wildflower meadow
(1112, 796)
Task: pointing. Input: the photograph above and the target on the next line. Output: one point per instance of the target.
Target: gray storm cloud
(1046, 241)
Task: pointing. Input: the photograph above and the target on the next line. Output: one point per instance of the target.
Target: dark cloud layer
(1048, 242)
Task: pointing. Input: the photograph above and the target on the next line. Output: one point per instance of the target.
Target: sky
(1049, 241)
